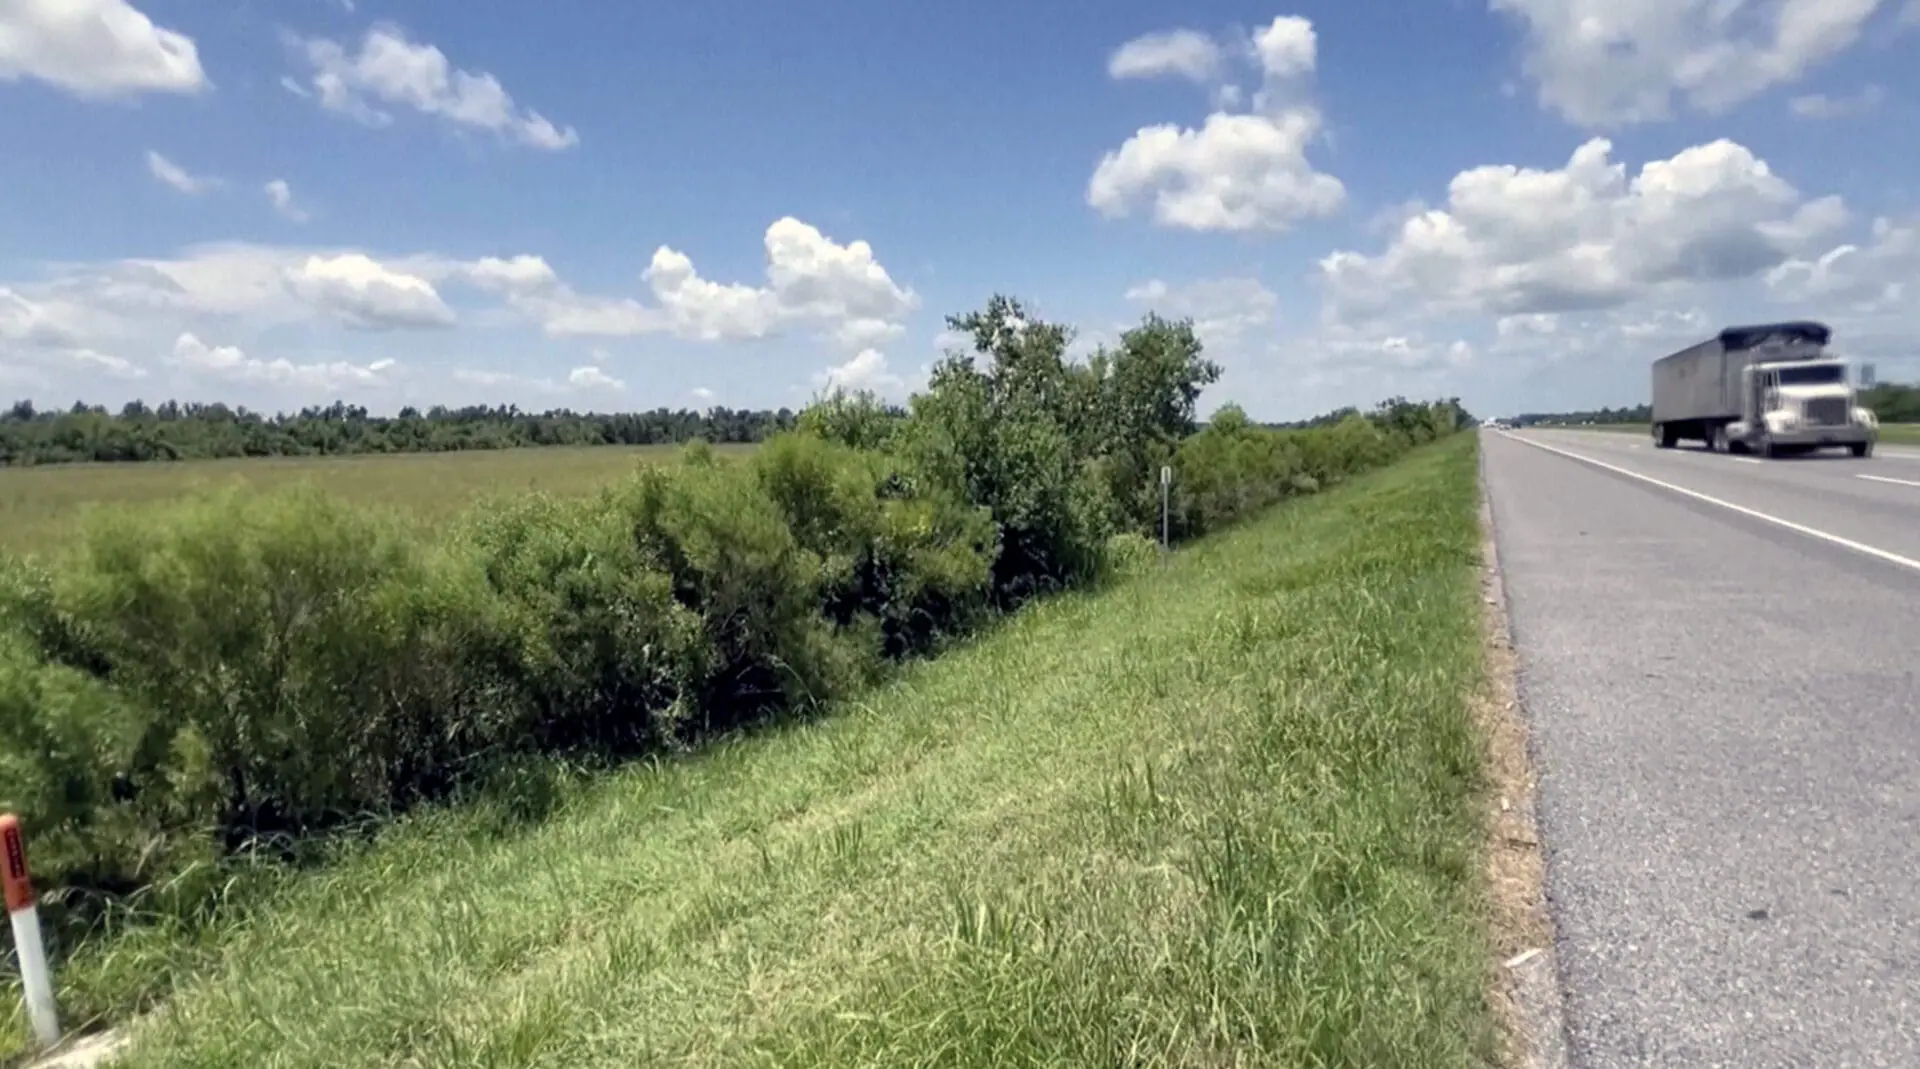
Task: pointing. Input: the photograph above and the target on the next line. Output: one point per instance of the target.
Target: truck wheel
(1862, 449)
(1662, 437)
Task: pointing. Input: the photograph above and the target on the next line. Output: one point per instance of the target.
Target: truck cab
(1800, 405)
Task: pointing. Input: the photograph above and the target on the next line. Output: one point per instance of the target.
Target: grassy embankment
(1891, 433)
(42, 507)
(1224, 813)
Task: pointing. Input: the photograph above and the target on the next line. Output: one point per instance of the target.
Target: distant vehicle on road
(1770, 389)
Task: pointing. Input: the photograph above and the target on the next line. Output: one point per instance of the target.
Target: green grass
(41, 507)
(1224, 813)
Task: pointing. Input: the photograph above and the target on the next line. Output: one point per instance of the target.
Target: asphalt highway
(1720, 662)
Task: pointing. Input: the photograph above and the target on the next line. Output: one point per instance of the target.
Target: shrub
(601, 652)
(731, 559)
(892, 550)
(857, 419)
(193, 676)
(1015, 438)
(117, 803)
(282, 629)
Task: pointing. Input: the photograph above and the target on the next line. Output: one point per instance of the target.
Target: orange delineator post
(36, 979)
(18, 880)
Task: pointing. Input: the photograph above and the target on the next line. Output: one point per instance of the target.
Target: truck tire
(1861, 449)
(1661, 439)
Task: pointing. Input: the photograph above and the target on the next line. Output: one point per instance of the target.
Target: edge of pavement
(1527, 995)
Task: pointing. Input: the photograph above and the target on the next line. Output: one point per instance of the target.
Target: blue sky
(614, 206)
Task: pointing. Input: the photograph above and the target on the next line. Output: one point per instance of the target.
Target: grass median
(1224, 813)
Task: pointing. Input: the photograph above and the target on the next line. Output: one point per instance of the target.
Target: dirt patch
(84, 1052)
(1523, 987)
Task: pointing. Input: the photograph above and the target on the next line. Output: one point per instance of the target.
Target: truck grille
(1827, 411)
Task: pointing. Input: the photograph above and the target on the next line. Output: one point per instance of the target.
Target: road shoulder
(1525, 988)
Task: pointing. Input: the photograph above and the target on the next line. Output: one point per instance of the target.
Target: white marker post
(1166, 484)
(35, 977)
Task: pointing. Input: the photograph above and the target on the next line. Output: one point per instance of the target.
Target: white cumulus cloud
(1287, 47)
(177, 176)
(593, 378)
(812, 280)
(95, 49)
(1223, 310)
(578, 381)
(1514, 240)
(1868, 290)
(367, 294)
(518, 274)
(1614, 62)
(866, 370)
(390, 70)
(1880, 275)
(1826, 106)
(1239, 170)
(281, 195)
(117, 366)
(230, 362)
(1187, 54)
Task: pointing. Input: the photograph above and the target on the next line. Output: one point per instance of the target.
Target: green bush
(115, 803)
(917, 563)
(286, 631)
(730, 558)
(1061, 455)
(600, 653)
(191, 677)
(858, 419)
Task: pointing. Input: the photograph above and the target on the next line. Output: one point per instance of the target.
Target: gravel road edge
(1526, 992)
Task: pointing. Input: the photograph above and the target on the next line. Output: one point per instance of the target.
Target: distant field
(41, 506)
(1902, 433)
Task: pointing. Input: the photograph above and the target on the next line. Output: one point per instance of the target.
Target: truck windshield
(1813, 375)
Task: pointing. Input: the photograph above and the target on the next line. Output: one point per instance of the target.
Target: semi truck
(1770, 388)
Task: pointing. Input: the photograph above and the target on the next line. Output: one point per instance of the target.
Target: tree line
(193, 431)
(1893, 402)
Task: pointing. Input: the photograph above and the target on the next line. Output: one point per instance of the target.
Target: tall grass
(1220, 814)
(198, 694)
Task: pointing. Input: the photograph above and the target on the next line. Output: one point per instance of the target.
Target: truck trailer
(1770, 389)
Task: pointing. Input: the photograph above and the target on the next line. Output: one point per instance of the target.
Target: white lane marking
(1611, 436)
(1885, 479)
(1798, 528)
